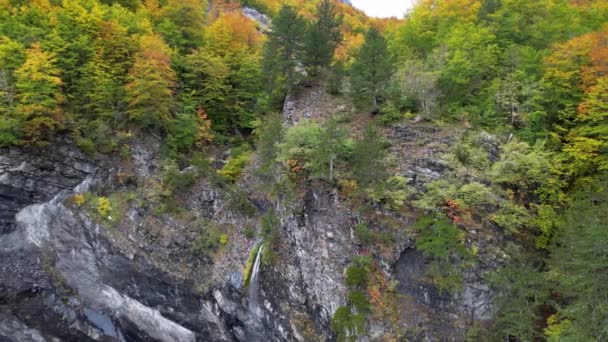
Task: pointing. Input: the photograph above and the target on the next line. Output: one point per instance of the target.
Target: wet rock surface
(34, 175)
(65, 275)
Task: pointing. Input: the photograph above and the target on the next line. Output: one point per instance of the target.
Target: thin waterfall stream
(254, 311)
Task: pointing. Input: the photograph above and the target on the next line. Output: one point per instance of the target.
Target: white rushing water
(253, 309)
(35, 218)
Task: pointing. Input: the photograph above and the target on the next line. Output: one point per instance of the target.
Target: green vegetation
(234, 166)
(270, 226)
(250, 262)
(213, 236)
(527, 81)
(348, 322)
(442, 241)
(371, 71)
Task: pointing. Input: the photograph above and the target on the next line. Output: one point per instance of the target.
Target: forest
(524, 83)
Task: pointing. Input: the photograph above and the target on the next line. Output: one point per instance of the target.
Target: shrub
(78, 200)
(235, 165)
(239, 202)
(175, 179)
(359, 301)
(440, 239)
(437, 193)
(9, 131)
(363, 233)
(475, 195)
(356, 276)
(445, 276)
(269, 230)
(125, 152)
(346, 325)
(249, 232)
(511, 217)
(390, 113)
(103, 206)
(211, 238)
(393, 191)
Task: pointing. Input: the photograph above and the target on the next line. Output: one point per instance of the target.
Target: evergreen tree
(368, 157)
(39, 95)
(336, 77)
(269, 134)
(372, 70)
(150, 91)
(579, 262)
(330, 150)
(282, 54)
(322, 38)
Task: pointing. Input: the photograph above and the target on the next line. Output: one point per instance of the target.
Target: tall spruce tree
(322, 38)
(371, 71)
(282, 54)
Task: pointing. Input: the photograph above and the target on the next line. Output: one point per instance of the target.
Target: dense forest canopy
(533, 74)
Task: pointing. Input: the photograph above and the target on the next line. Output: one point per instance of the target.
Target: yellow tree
(39, 95)
(151, 82)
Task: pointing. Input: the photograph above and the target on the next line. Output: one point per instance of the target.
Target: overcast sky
(383, 8)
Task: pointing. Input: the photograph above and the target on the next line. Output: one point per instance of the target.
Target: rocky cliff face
(69, 274)
(35, 175)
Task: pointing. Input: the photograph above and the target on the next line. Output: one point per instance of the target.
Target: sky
(383, 8)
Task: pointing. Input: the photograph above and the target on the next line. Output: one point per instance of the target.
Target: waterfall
(35, 218)
(255, 315)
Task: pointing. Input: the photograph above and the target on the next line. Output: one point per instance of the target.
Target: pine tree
(282, 53)
(579, 262)
(322, 38)
(39, 95)
(150, 91)
(368, 158)
(372, 70)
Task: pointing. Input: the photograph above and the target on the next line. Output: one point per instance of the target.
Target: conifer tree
(283, 52)
(371, 71)
(322, 37)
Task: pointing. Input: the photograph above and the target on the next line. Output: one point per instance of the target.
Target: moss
(249, 264)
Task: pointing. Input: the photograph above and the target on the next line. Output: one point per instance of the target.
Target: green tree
(322, 37)
(150, 90)
(579, 262)
(206, 84)
(182, 22)
(282, 54)
(371, 71)
(11, 57)
(39, 95)
(320, 150)
(520, 291)
(269, 133)
(368, 158)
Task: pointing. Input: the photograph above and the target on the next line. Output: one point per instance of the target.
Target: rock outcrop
(68, 273)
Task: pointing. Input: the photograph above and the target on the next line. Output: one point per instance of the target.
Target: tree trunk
(331, 169)
(374, 105)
